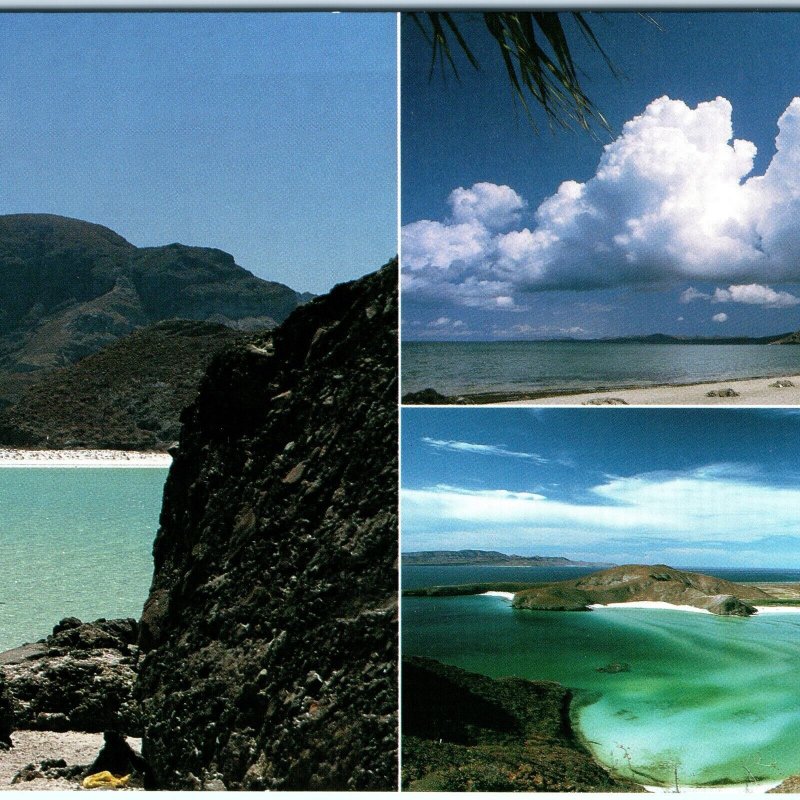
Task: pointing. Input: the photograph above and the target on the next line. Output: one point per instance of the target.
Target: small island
(633, 583)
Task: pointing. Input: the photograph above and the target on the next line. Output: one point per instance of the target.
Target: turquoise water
(474, 367)
(718, 697)
(74, 542)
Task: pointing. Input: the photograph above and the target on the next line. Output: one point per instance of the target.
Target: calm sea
(475, 367)
(74, 542)
(718, 698)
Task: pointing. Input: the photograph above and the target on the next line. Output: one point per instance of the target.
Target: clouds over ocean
(670, 203)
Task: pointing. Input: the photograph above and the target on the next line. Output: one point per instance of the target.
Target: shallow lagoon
(74, 542)
(718, 697)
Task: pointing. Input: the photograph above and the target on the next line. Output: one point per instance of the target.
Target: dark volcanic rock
(6, 715)
(80, 678)
(117, 757)
(269, 638)
(427, 397)
(468, 732)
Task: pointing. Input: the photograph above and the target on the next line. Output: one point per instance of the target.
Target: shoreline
(13, 457)
(750, 391)
(661, 605)
(755, 391)
(753, 788)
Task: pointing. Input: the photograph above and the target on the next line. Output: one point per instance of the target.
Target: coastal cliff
(269, 637)
(468, 732)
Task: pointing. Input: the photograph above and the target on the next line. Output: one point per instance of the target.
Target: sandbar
(83, 458)
(751, 392)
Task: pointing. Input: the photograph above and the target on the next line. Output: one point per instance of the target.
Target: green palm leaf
(536, 57)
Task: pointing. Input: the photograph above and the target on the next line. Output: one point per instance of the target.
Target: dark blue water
(475, 367)
(416, 577)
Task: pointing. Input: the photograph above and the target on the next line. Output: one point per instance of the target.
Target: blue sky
(683, 224)
(270, 136)
(686, 487)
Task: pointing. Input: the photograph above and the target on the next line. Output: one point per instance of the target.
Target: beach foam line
(651, 604)
(506, 595)
(750, 788)
(84, 458)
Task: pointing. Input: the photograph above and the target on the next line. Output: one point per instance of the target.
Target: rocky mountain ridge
(68, 288)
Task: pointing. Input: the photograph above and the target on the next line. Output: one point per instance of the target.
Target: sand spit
(652, 604)
(750, 392)
(83, 458)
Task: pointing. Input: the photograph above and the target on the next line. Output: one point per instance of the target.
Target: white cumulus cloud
(694, 508)
(481, 449)
(671, 201)
(720, 317)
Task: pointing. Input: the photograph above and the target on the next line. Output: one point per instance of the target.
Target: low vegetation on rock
(468, 732)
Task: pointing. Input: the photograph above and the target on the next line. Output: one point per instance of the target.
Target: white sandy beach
(751, 392)
(652, 604)
(507, 595)
(83, 458)
(666, 606)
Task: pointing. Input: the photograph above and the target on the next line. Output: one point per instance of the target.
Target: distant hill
(129, 395)
(68, 288)
(636, 582)
(663, 338)
(625, 584)
(447, 558)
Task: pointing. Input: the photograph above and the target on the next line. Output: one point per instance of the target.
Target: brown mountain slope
(69, 288)
(127, 396)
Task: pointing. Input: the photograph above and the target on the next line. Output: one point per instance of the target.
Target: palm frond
(536, 56)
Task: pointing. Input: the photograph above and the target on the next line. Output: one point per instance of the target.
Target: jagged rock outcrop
(80, 678)
(7, 721)
(269, 638)
(468, 732)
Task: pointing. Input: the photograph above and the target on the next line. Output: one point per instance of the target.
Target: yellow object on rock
(105, 780)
